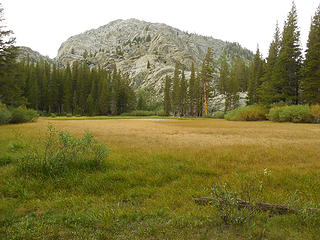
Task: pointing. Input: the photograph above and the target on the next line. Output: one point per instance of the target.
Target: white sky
(44, 24)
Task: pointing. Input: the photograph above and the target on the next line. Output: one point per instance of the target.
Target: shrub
(5, 159)
(315, 112)
(218, 115)
(68, 115)
(5, 114)
(59, 153)
(53, 115)
(226, 201)
(139, 113)
(161, 113)
(294, 113)
(249, 113)
(22, 114)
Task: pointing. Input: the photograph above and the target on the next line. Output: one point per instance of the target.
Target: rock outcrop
(26, 53)
(131, 44)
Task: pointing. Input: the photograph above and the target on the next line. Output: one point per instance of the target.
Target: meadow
(154, 171)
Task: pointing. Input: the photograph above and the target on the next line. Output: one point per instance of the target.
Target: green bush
(294, 113)
(249, 113)
(5, 115)
(218, 115)
(315, 112)
(68, 115)
(59, 153)
(139, 113)
(5, 159)
(22, 114)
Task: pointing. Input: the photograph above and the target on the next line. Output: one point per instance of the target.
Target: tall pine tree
(311, 68)
(166, 96)
(286, 71)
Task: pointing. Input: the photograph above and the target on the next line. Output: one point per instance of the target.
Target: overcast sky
(44, 24)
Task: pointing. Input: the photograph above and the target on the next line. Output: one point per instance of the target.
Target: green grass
(153, 173)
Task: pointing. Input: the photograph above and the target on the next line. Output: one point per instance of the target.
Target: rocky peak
(26, 53)
(130, 44)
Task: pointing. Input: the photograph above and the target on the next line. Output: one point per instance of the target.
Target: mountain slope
(131, 44)
(26, 53)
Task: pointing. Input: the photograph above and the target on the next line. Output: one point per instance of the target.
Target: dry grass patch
(154, 170)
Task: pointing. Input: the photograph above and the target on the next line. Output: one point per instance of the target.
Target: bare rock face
(131, 44)
(27, 54)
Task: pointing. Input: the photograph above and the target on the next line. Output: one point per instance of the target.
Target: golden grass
(157, 167)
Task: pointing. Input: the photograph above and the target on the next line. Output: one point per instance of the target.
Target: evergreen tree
(182, 94)
(255, 78)
(224, 74)
(33, 89)
(67, 97)
(267, 88)
(166, 96)
(192, 91)
(232, 88)
(311, 69)
(90, 105)
(53, 90)
(207, 77)
(10, 87)
(286, 71)
(176, 91)
(198, 90)
(105, 97)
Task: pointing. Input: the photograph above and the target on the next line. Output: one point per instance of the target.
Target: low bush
(5, 116)
(218, 115)
(294, 113)
(22, 114)
(139, 113)
(5, 159)
(16, 115)
(249, 113)
(315, 112)
(59, 153)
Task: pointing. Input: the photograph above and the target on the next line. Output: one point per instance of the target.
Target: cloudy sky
(44, 24)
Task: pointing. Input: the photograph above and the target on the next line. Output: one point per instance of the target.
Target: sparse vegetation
(59, 153)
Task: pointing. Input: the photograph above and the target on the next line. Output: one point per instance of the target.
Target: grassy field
(154, 171)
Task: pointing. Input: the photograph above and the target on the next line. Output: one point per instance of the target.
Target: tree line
(284, 76)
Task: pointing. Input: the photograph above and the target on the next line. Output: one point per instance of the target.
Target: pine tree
(286, 71)
(255, 78)
(182, 94)
(198, 90)
(192, 93)
(207, 77)
(175, 91)
(232, 87)
(267, 88)
(10, 87)
(311, 68)
(105, 96)
(90, 105)
(166, 96)
(67, 97)
(224, 74)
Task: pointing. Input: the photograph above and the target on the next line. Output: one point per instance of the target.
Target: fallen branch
(273, 208)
